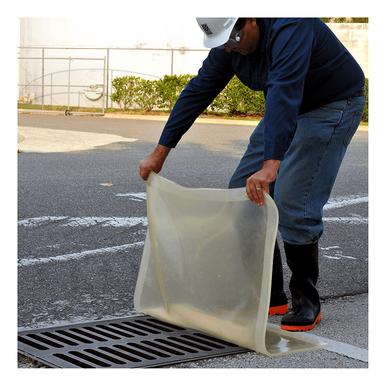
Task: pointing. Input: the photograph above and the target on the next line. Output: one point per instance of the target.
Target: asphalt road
(76, 208)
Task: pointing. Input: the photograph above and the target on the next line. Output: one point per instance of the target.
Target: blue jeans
(309, 168)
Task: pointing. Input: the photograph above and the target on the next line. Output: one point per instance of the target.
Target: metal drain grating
(139, 341)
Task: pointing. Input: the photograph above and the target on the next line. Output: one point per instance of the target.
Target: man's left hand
(259, 182)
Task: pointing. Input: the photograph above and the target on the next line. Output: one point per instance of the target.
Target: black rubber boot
(279, 303)
(305, 312)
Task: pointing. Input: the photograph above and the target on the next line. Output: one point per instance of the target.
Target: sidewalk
(42, 140)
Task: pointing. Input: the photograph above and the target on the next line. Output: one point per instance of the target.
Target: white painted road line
(333, 203)
(27, 261)
(340, 202)
(35, 221)
(128, 222)
(345, 349)
(116, 222)
(335, 253)
(134, 221)
(354, 220)
(339, 257)
(141, 196)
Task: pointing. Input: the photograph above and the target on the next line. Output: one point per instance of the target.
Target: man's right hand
(154, 161)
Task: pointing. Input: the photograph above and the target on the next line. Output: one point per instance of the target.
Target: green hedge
(237, 99)
(132, 92)
(169, 88)
(365, 116)
(135, 92)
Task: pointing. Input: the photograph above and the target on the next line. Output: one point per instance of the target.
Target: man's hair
(240, 23)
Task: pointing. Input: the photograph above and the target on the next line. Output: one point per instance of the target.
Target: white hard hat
(216, 29)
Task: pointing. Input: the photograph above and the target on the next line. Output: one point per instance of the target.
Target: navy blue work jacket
(299, 64)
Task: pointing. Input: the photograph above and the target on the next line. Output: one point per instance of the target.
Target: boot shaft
(303, 261)
(304, 264)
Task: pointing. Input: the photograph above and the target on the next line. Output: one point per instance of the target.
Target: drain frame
(133, 342)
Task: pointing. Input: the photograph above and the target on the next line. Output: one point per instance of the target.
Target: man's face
(249, 39)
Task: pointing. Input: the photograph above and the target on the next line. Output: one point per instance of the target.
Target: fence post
(112, 78)
(69, 83)
(172, 64)
(51, 91)
(104, 85)
(42, 78)
(107, 77)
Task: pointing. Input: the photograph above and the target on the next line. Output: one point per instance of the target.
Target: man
(314, 103)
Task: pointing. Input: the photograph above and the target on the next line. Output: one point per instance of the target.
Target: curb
(158, 118)
(164, 118)
(214, 121)
(161, 118)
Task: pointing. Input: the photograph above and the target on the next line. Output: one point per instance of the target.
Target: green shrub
(126, 90)
(135, 92)
(229, 99)
(365, 116)
(162, 94)
(147, 98)
(237, 99)
(169, 88)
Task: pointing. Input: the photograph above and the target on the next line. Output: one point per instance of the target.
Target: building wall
(181, 35)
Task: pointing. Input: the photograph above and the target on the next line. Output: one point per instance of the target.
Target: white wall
(149, 32)
(131, 31)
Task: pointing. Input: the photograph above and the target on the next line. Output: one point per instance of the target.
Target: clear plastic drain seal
(207, 265)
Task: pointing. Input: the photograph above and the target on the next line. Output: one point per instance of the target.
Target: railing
(62, 82)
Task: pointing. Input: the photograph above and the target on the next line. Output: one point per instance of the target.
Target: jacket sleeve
(215, 73)
(290, 45)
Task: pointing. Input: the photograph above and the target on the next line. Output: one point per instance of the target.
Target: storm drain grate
(139, 341)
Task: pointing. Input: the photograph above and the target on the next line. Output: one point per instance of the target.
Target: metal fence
(82, 76)
(75, 77)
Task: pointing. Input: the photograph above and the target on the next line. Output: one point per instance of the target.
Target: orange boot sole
(307, 327)
(278, 310)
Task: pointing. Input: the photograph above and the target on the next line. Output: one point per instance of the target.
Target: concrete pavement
(43, 140)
